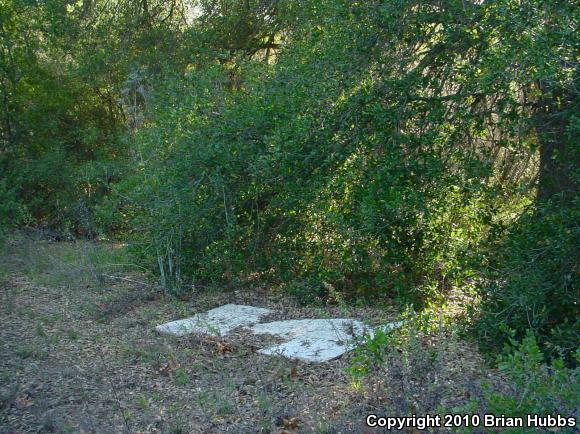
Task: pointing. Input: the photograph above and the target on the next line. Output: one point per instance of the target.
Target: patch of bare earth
(85, 358)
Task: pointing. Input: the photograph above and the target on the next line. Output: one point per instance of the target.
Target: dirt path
(79, 354)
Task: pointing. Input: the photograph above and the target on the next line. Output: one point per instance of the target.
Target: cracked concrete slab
(217, 322)
(315, 340)
(309, 340)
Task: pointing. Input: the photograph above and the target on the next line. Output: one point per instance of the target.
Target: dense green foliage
(65, 85)
(393, 149)
(533, 283)
(538, 388)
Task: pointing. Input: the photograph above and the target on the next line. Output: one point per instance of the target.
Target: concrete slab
(315, 340)
(217, 322)
(310, 340)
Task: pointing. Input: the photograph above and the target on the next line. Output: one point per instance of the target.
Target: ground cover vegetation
(413, 154)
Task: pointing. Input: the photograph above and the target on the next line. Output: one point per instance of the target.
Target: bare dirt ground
(78, 353)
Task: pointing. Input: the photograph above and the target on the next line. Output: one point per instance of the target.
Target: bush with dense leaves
(534, 283)
(305, 172)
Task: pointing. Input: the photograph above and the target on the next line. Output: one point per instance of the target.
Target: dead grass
(78, 354)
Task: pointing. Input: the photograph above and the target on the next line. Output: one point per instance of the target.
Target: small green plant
(143, 403)
(370, 353)
(265, 402)
(7, 396)
(127, 415)
(40, 330)
(25, 351)
(203, 398)
(181, 377)
(225, 407)
(53, 339)
(175, 429)
(541, 388)
(535, 386)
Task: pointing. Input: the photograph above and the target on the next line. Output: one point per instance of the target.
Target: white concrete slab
(217, 322)
(315, 340)
(310, 340)
(386, 328)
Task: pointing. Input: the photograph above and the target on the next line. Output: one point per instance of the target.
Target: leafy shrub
(301, 172)
(534, 387)
(535, 284)
(12, 211)
(371, 353)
